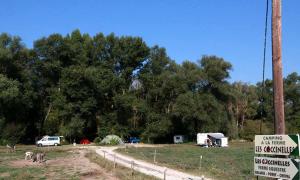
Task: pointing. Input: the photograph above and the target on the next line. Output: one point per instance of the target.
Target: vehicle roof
(52, 136)
(216, 135)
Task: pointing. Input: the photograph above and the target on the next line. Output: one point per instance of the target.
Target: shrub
(252, 128)
(97, 140)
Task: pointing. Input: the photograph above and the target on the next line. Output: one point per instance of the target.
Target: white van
(49, 141)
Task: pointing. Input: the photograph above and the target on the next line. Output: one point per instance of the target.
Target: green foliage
(97, 140)
(72, 129)
(12, 133)
(199, 113)
(82, 86)
(157, 129)
(252, 128)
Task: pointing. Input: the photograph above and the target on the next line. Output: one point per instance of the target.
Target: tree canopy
(91, 86)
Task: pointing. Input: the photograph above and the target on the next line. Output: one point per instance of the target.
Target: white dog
(28, 155)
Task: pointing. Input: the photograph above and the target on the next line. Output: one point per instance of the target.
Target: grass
(120, 172)
(234, 162)
(7, 171)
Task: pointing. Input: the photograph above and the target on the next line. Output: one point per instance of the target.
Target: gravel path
(145, 167)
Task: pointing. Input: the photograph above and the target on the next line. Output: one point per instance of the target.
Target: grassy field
(63, 162)
(234, 162)
(9, 171)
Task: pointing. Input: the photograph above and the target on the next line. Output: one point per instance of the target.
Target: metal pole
(277, 68)
(165, 173)
(114, 160)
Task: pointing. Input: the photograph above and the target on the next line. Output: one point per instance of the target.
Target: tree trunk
(242, 120)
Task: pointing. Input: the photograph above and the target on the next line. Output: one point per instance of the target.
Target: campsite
(83, 162)
(160, 89)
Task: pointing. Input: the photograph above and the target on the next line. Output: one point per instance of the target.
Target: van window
(53, 138)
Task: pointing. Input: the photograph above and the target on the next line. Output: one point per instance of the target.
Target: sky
(188, 29)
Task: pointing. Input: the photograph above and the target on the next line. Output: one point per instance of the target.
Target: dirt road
(144, 167)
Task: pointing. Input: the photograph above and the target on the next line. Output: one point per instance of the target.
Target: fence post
(165, 174)
(114, 160)
(154, 157)
(200, 162)
(132, 167)
(104, 154)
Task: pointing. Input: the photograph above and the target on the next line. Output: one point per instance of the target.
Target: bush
(97, 140)
(12, 133)
(252, 128)
(3, 142)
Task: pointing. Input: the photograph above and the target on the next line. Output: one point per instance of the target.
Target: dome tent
(112, 140)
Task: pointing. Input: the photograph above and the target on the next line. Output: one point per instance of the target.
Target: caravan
(212, 139)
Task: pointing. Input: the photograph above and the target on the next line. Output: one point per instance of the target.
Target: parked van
(49, 141)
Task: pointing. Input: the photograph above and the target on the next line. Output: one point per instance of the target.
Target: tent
(85, 141)
(112, 140)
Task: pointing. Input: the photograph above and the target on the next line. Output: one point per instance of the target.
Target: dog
(28, 155)
(39, 157)
(10, 148)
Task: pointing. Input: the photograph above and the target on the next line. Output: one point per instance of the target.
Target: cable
(264, 66)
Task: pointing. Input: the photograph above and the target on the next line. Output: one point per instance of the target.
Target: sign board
(281, 168)
(277, 145)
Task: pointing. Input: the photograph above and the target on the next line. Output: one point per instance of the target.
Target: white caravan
(212, 139)
(178, 139)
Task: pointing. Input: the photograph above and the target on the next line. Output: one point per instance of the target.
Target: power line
(264, 64)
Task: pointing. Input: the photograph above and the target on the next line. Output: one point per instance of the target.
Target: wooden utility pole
(277, 68)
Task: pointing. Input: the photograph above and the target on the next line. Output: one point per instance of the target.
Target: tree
(199, 112)
(87, 86)
(292, 101)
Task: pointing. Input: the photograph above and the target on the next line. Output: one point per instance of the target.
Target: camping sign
(277, 145)
(281, 168)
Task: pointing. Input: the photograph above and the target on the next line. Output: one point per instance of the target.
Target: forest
(79, 86)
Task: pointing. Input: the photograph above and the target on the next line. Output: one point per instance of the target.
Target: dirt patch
(3, 175)
(25, 163)
(74, 164)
